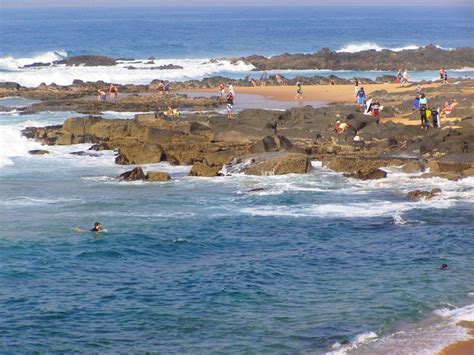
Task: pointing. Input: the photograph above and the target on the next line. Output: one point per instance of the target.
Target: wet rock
(157, 176)
(38, 152)
(413, 168)
(139, 154)
(419, 195)
(368, 174)
(100, 147)
(278, 164)
(133, 175)
(204, 170)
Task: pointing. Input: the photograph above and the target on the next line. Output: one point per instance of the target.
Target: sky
(117, 3)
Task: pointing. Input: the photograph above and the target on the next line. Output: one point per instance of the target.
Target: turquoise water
(204, 265)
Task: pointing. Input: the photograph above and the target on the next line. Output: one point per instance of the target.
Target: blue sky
(116, 3)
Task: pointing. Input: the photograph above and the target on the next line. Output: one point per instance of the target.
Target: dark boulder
(133, 175)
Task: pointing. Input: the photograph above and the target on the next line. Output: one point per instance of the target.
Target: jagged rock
(38, 152)
(419, 195)
(204, 170)
(133, 175)
(139, 154)
(157, 176)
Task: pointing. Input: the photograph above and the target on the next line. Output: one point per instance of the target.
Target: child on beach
(399, 76)
(360, 97)
(375, 109)
(278, 79)
(299, 91)
(230, 105)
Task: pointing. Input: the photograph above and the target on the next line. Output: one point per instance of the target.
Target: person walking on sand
(405, 77)
(356, 86)
(230, 105)
(399, 76)
(299, 91)
(360, 97)
(264, 78)
(441, 74)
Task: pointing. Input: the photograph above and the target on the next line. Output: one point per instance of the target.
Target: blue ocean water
(311, 263)
(202, 265)
(233, 31)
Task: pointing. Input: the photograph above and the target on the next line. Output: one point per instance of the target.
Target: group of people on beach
(431, 117)
(113, 93)
(402, 78)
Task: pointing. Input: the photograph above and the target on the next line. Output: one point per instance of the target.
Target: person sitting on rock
(161, 88)
(448, 107)
(341, 127)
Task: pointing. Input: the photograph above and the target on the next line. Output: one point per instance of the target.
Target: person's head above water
(444, 266)
(97, 226)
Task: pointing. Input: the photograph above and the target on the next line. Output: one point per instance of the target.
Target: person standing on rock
(113, 91)
(375, 109)
(231, 89)
(299, 91)
(221, 91)
(230, 105)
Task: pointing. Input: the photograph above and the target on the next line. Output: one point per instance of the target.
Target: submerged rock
(38, 152)
(419, 195)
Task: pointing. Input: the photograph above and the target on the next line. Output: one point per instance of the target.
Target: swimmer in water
(96, 229)
(444, 267)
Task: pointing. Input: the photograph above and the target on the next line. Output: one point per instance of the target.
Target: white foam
(13, 144)
(366, 46)
(12, 63)
(360, 339)
(64, 75)
(345, 210)
(458, 314)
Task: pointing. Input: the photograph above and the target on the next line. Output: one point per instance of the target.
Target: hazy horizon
(203, 3)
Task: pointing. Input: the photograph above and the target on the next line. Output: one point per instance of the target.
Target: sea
(295, 264)
(190, 37)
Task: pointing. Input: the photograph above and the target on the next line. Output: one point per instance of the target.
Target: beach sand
(327, 93)
(464, 347)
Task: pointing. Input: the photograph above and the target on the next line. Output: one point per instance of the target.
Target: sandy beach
(463, 347)
(327, 93)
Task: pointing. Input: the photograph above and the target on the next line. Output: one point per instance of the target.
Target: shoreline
(462, 347)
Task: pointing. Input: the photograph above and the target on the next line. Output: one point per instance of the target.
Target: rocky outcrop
(157, 176)
(139, 154)
(427, 58)
(419, 195)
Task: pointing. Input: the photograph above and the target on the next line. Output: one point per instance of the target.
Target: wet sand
(463, 347)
